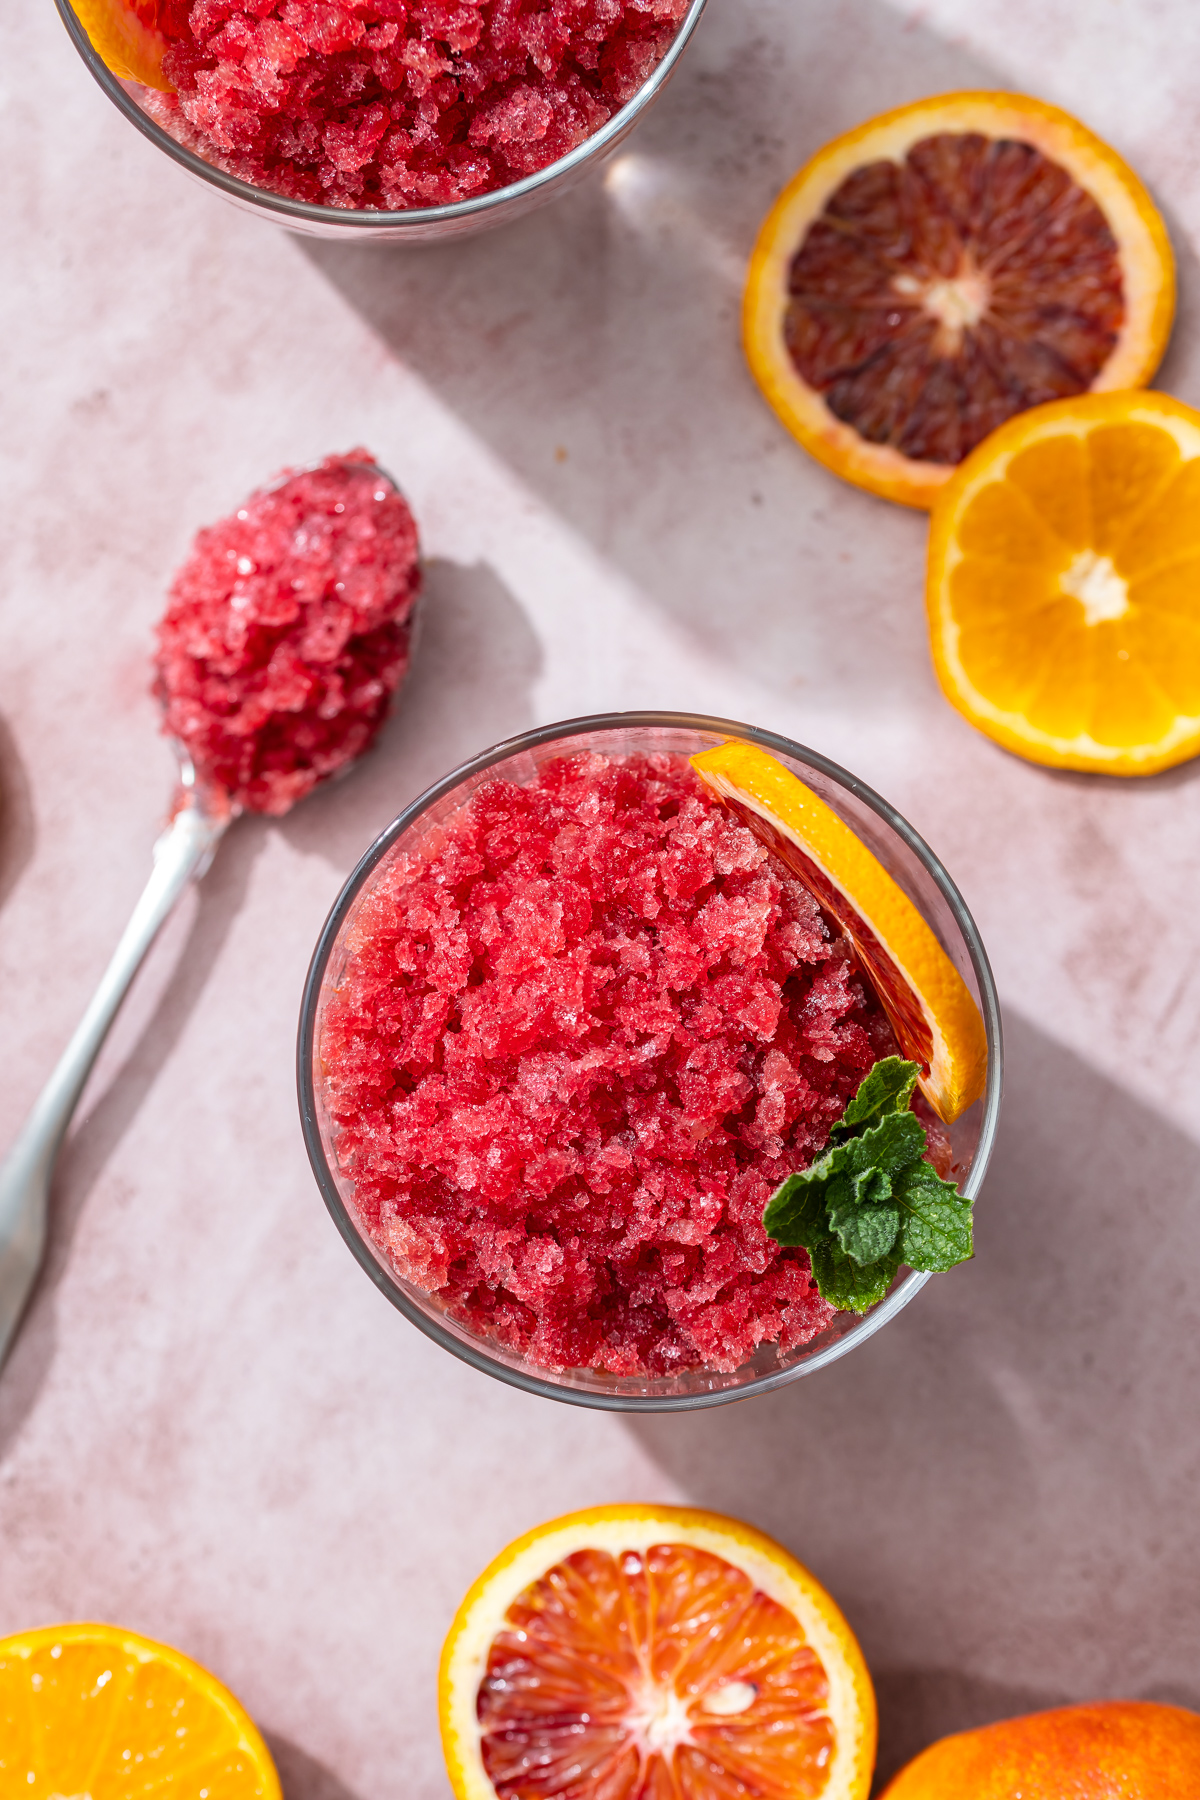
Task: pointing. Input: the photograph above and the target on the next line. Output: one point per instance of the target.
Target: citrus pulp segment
(641, 1653)
(1063, 585)
(93, 1710)
(932, 1013)
(128, 38)
(943, 267)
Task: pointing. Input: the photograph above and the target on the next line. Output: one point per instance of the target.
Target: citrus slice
(129, 38)
(93, 1711)
(942, 268)
(931, 1011)
(1064, 584)
(653, 1653)
(1108, 1750)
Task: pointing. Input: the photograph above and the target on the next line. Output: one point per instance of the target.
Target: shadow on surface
(105, 1116)
(18, 832)
(595, 347)
(999, 1488)
(476, 661)
(301, 1776)
(471, 681)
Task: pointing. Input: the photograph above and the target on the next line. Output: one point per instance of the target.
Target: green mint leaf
(872, 1201)
(865, 1228)
(844, 1282)
(887, 1088)
(935, 1230)
(795, 1213)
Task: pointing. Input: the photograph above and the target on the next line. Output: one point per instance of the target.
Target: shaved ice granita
(287, 632)
(394, 104)
(570, 1045)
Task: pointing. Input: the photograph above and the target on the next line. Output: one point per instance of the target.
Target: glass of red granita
(567, 1027)
(383, 121)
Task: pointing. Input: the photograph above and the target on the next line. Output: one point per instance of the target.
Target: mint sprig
(872, 1201)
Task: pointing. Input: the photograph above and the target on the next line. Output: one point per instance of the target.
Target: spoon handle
(183, 851)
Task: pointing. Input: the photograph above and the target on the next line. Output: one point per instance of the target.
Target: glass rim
(545, 1385)
(365, 220)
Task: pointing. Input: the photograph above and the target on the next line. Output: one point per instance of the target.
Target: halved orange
(129, 38)
(93, 1711)
(1064, 584)
(932, 1012)
(942, 268)
(653, 1653)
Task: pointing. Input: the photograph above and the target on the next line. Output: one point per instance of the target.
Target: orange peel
(936, 1020)
(128, 37)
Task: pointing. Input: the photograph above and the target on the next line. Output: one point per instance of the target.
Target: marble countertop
(213, 1429)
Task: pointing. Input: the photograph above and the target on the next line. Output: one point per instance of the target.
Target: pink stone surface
(213, 1428)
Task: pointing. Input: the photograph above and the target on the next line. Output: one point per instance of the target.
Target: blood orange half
(942, 268)
(653, 1653)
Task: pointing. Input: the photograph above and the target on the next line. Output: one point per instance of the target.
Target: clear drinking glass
(912, 865)
(417, 225)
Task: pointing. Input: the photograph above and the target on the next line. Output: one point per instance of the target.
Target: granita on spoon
(582, 1035)
(390, 104)
(287, 632)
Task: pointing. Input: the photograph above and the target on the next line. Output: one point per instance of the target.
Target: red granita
(576, 1045)
(400, 103)
(287, 632)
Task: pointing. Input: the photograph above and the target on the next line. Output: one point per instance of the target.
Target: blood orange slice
(942, 268)
(653, 1653)
(931, 1010)
(130, 37)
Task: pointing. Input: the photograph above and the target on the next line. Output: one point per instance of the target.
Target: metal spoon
(182, 853)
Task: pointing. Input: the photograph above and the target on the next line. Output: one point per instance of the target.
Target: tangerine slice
(91, 1710)
(130, 37)
(1063, 584)
(931, 1011)
(653, 1653)
(942, 268)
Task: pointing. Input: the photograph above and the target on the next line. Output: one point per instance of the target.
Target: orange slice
(934, 1017)
(1064, 584)
(653, 1653)
(93, 1711)
(946, 266)
(128, 37)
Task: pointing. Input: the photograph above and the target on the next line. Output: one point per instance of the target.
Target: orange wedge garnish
(93, 1710)
(946, 266)
(1064, 584)
(128, 37)
(653, 1653)
(936, 1021)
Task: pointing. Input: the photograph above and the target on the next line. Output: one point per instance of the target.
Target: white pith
(957, 302)
(1092, 579)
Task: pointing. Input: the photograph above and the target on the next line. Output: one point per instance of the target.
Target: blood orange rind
(1146, 260)
(930, 1007)
(616, 1529)
(79, 1702)
(1045, 645)
(125, 35)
